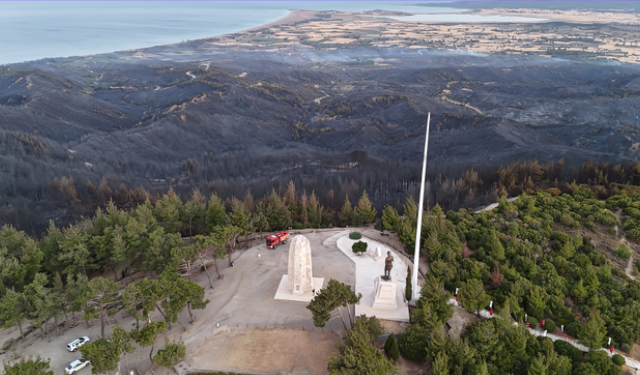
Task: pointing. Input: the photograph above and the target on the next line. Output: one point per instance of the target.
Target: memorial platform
(368, 269)
(284, 294)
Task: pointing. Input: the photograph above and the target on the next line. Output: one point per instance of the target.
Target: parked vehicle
(75, 344)
(76, 366)
(281, 237)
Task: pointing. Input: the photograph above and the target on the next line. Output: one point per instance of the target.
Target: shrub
(566, 349)
(567, 220)
(634, 234)
(618, 359)
(597, 259)
(172, 353)
(533, 322)
(600, 360)
(549, 326)
(625, 348)
(615, 370)
(355, 235)
(546, 344)
(298, 225)
(413, 343)
(359, 247)
(617, 272)
(572, 328)
(391, 348)
(623, 252)
(582, 261)
(10, 345)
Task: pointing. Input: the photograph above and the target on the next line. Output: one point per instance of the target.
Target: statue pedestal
(385, 295)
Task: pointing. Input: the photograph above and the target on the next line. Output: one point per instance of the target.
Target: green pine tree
(472, 296)
(29, 366)
(440, 365)
(172, 353)
(390, 218)
(364, 213)
(408, 292)
(494, 247)
(216, 215)
(239, 217)
(593, 332)
(391, 347)
(346, 214)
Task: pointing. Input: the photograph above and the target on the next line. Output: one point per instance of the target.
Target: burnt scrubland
(77, 132)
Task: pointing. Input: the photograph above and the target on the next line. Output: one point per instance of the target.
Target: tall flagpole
(416, 254)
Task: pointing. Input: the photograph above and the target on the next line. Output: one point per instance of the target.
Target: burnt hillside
(257, 119)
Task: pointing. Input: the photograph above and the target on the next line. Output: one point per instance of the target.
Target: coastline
(335, 29)
(295, 15)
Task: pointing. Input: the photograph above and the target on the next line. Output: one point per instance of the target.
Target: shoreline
(307, 28)
(295, 15)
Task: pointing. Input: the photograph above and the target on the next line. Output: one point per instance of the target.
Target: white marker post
(416, 255)
(562, 328)
(491, 304)
(609, 343)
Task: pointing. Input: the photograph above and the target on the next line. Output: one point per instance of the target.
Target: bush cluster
(355, 235)
(523, 257)
(618, 359)
(359, 247)
(623, 252)
(549, 326)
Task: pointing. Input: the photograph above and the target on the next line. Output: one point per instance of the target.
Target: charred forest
(78, 132)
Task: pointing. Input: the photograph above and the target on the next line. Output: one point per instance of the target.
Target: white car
(75, 344)
(76, 366)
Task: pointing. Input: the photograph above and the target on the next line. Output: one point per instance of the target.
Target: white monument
(377, 254)
(385, 295)
(299, 284)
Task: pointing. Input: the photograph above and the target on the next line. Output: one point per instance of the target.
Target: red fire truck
(281, 237)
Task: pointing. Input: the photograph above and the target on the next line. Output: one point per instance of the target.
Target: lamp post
(416, 254)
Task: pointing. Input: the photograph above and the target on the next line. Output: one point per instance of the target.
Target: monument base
(285, 294)
(385, 295)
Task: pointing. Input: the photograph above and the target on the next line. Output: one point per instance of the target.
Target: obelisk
(300, 275)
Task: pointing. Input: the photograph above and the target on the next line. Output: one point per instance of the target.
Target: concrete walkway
(494, 205)
(367, 269)
(630, 362)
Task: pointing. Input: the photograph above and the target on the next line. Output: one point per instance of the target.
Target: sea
(31, 30)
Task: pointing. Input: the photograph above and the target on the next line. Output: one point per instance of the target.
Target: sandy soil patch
(266, 351)
(577, 16)
(391, 326)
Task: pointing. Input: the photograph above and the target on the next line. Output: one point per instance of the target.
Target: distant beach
(31, 30)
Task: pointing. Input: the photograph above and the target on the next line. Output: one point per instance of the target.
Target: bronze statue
(388, 265)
